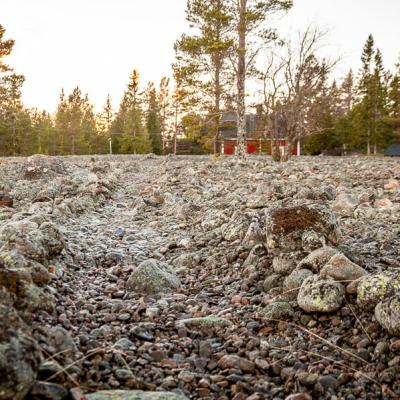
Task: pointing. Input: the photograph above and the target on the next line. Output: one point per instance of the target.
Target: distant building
(257, 141)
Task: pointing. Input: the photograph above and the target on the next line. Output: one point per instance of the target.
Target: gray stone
(319, 294)
(272, 281)
(151, 277)
(285, 263)
(19, 354)
(387, 313)
(134, 395)
(317, 259)
(293, 282)
(373, 288)
(276, 311)
(340, 268)
(204, 324)
(345, 204)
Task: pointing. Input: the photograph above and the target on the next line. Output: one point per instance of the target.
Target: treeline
(229, 44)
(363, 113)
(138, 126)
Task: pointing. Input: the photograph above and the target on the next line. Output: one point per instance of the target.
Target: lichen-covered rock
(373, 288)
(152, 277)
(61, 341)
(293, 282)
(40, 166)
(254, 235)
(19, 353)
(387, 313)
(186, 260)
(340, 268)
(319, 294)
(317, 259)
(236, 228)
(204, 324)
(256, 253)
(213, 220)
(134, 395)
(276, 311)
(285, 263)
(272, 281)
(25, 237)
(290, 228)
(53, 239)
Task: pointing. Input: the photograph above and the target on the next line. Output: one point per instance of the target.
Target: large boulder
(20, 356)
(317, 259)
(40, 166)
(340, 268)
(387, 313)
(152, 277)
(319, 294)
(374, 288)
(303, 227)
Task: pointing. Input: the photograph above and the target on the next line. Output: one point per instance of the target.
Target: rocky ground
(176, 278)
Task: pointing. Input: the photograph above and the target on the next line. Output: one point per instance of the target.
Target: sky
(95, 44)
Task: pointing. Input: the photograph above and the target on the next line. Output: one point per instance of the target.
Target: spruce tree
(204, 57)
(153, 119)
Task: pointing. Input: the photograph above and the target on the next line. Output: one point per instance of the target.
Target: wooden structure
(257, 146)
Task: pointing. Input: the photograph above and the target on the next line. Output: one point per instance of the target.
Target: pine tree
(153, 119)
(366, 90)
(249, 17)
(134, 136)
(203, 57)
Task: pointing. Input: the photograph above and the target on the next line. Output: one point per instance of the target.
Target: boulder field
(172, 278)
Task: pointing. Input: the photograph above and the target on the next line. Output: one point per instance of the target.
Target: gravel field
(179, 278)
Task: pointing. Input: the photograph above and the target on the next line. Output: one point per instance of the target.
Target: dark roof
(393, 150)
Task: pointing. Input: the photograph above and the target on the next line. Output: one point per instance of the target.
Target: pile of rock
(26, 246)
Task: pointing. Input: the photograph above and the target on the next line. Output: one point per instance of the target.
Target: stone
(345, 204)
(299, 396)
(317, 259)
(236, 362)
(393, 184)
(276, 311)
(236, 228)
(319, 294)
(374, 288)
(387, 313)
(285, 263)
(20, 355)
(287, 229)
(62, 341)
(204, 324)
(293, 282)
(49, 391)
(134, 395)
(271, 282)
(340, 268)
(151, 277)
(329, 381)
(383, 204)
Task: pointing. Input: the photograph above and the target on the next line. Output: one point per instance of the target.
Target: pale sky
(94, 44)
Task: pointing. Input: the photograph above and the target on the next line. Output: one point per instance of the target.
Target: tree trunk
(241, 83)
(368, 142)
(217, 102)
